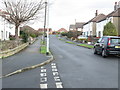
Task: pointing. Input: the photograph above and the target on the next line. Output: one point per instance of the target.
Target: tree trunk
(16, 32)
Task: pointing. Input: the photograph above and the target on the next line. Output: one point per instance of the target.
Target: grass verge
(42, 42)
(61, 39)
(85, 45)
(70, 42)
(43, 49)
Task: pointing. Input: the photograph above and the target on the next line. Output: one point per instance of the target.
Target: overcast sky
(62, 13)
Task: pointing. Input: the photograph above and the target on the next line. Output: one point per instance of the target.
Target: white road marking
(42, 67)
(43, 74)
(59, 85)
(43, 70)
(43, 79)
(43, 86)
(53, 64)
(55, 73)
(57, 79)
(54, 67)
(54, 70)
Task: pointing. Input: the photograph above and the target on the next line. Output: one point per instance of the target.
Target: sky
(62, 13)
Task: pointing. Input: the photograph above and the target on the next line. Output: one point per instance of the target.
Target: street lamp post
(45, 22)
(47, 53)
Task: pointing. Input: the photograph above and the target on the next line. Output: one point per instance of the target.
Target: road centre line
(44, 86)
(54, 67)
(54, 70)
(43, 70)
(43, 74)
(57, 78)
(55, 73)
(59, 85)
(53, 64)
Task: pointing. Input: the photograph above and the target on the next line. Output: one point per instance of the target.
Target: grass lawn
(70, 42)
(85, 45)
(43, 49)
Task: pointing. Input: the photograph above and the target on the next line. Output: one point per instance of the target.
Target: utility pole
(45, 22)
(47, 53)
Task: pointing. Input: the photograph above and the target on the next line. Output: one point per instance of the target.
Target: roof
(62, 29)
(79, 25)
(72, 26)
(97, 18)
(115, 13)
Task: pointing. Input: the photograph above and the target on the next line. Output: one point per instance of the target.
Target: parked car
(107, 45)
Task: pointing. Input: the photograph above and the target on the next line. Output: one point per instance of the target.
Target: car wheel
(104, 53)
(94, 50)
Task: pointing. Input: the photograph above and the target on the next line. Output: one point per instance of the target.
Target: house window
(87, 33)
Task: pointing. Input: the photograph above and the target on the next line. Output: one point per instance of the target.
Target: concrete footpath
(26, 58)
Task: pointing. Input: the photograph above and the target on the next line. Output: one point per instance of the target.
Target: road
(80, 68)
(73, 67)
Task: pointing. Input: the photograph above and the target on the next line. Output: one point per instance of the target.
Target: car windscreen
(115, 40)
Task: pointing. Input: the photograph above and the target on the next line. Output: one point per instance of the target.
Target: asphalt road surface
(73, 67)
(80, 68)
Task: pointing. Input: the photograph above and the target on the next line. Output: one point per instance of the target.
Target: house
(77, 27)
(62, 30)
(72, 27)
(114, 17)
(41, 30)
(6, 29)
(89, 28)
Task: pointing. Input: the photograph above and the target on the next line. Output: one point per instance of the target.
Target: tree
(24, 36)
(110, 30)
(21, 11)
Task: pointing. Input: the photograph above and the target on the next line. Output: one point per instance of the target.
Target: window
(115, 41)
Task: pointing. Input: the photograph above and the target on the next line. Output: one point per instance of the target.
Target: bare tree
(22, 11)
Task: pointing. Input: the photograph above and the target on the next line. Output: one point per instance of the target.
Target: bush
(110, 30)
(73, 34)
(33, 35)
(24, 36)
(63, 34)
(12, 37)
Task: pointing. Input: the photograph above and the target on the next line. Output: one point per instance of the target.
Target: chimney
(96, 13)
(116, 6)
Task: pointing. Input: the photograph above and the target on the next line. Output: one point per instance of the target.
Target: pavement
(28, 57)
